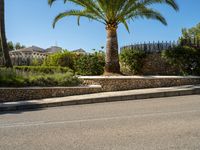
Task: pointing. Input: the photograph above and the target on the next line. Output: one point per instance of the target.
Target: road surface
(152, 124)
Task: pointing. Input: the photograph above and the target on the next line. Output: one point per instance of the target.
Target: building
(80, 51)
(53, 49)
(26, 56)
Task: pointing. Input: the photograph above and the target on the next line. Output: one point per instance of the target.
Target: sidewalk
(102, 97)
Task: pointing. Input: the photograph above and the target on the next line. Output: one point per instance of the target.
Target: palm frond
(76, 13)
(115, 11)
(147, 13)
(50, 2)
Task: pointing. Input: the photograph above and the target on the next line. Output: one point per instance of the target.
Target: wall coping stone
(120, 83)
(139, 77)
(47, 88)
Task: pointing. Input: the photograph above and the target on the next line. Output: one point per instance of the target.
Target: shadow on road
(25, 107)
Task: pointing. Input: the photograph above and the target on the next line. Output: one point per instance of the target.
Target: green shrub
(187, 59)
(82, 64)
(43, 69)
(132, 59)
(13, 78)
(36, 62)
(62, 59)
(90, 64)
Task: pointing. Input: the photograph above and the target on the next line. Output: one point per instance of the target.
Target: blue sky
(30, 23)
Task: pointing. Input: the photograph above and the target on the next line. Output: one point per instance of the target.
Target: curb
(101, 98)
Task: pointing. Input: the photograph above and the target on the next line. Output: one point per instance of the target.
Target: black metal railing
(156, 47)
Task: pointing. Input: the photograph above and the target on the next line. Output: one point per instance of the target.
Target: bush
(43, 69)
(62, 59)
(187, 59)
(90, 64)
(36, 62)
(133, 59)
(82, 64)
(13, 78)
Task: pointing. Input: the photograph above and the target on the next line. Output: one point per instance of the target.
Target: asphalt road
(152, 124)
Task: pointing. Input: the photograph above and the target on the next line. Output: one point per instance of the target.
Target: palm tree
(111, 13)
(4, 45)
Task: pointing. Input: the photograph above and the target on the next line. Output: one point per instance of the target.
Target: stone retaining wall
(20, 94)
(154, 64)
(106, 84)
(138, 82)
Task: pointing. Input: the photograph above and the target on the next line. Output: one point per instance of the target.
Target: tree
(191, 37)
(191, 32)
(4, 45)
(111, 13)
(19, 46)
(1, 54)
(11, 46)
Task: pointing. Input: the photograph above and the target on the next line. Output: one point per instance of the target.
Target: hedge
(43, 69)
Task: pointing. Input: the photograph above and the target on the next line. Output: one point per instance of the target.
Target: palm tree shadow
(24, 107)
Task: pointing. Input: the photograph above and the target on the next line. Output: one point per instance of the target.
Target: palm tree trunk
(112, 58)
(3, 40)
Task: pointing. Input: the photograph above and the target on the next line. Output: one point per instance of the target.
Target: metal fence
(152, 47)
(157, 47)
